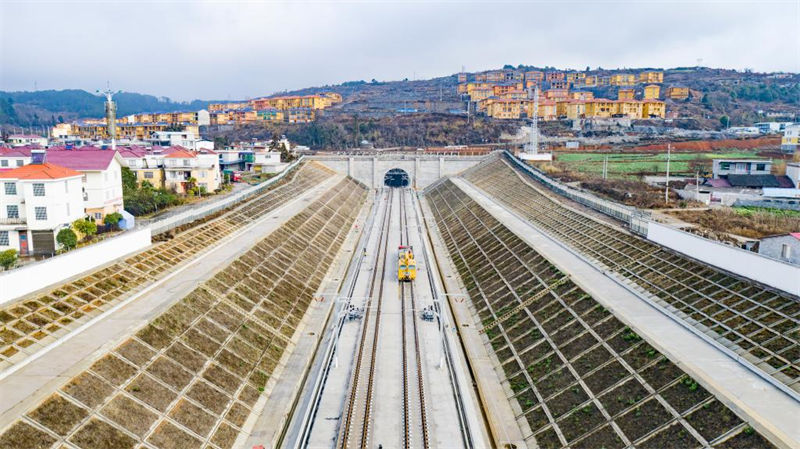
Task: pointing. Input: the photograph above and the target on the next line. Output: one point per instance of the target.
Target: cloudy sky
(238, 49)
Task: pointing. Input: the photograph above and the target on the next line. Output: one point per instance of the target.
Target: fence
(191, 215)
(38, 275)
(636, 219)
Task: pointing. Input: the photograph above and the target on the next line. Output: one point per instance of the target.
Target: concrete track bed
(576, 374)
(43, 318)
(194, 375)
(760, 324)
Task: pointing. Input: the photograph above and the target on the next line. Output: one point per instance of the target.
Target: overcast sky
(221, 49)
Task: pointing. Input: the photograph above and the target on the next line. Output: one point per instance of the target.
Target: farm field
(634, 165)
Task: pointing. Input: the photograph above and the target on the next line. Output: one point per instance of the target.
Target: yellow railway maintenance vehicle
(406, 265)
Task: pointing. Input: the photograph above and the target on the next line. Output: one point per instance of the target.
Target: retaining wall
(38, 275)
(751, 265)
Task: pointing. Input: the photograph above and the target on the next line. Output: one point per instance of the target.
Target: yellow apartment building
(652, 92)
(625, 94)
(547, 109)
(590, 81)
(629, 109)
(677, 93)
(559, 85)
(500, 108)
(556, 94)
(601, 107)
(581, 95)
(653, 109)
(651, 76)
(622, 79)
(481, 94)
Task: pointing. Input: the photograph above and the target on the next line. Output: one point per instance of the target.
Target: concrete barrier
(772, 272)
(38, 275)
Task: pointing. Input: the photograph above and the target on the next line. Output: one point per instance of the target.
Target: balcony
(12, 221)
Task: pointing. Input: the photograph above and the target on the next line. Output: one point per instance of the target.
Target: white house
(183, 139)
(14, 157)
(37, 201)
(102, 178)
(790, 141)
(267, 162)
(181, 165)
(18, 140)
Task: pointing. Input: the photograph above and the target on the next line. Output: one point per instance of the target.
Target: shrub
(85, 227)
(112, 219)
(67, 238)
(8, 258)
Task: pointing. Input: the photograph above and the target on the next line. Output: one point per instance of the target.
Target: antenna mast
(111, 116)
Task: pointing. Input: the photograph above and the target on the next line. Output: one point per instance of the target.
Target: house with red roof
(102, 177)
(14, 157)
(183, 167)
(36, 201)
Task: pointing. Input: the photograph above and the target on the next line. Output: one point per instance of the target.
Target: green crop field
(631, 165)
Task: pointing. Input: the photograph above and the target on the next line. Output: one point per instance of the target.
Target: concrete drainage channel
(199, 371)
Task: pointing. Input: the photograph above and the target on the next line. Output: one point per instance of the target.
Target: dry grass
(193, 417)
(24, 436)
(98, 434)
(168, 436)
(89, 389)
(233, 363)
(249, 395)
(753, 225)
(199, 342)
(58, 414)
(114, 369)
(238, 414)
(135, 352)
(129, 414)
(221, 378)
(153, 337)
(170, 372)
(211, 330)
(151, 392)
(225, 436)
(186, 357)
(211, 398)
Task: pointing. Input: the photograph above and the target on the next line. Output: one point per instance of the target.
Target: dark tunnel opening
(396, 177)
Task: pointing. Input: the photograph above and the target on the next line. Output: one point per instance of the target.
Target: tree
(8, 258)
(112, 219)
(67, 238)
(725, 120)
(128, 179)
(85, 227)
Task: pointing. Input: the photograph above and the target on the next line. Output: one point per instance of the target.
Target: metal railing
(636, 219)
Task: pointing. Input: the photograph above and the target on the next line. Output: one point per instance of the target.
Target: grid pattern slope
(758, 323)
(193, 376)
(36, 321)
(579, 376)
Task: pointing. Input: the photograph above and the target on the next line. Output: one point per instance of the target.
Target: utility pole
(605, 167)
(666, 186)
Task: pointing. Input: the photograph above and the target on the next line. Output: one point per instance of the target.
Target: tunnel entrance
(396, 177)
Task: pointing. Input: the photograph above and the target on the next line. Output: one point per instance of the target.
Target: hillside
(47, 107)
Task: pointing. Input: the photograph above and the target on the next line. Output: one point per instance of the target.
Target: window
(12, 211)
(40, 213)
(761, 167)
(3, 238)
(98, 215)
(11, 188)
(148, 175)
(19, 162)
(786, 251)
(724, 165)
(38, 189)
(4, 163)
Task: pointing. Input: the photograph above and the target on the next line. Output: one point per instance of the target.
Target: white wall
(27, 279)
(762, 269)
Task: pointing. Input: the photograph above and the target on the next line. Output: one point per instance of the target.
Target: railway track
(415, 419)
(758, 323)
(355, 429)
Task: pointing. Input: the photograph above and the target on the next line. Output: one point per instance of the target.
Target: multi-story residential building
(625, 94)
(534, 75)
(14, 157)
(481, 94)
(652, 92)
(556, 94)
(270, 115)
(462, 77)
(554, 76)
(300, 115)
(267, 162)
(179, 138)
(64, 130)
(601, 108)
(725, 167)
(790, 142)
(562, 85)
(180, 166)
(581, 95)
(18, 140)
(651, 76)
(547, 109)
(629, 109)
(677, 93)
(101, 178)
(575, 77)
(590, 81)
(503, 108)
(653, 109)
(622, 79)
(36, 201)
(146, 163)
